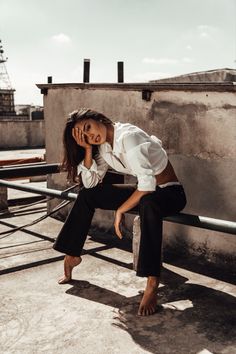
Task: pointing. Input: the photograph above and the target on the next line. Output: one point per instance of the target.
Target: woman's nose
(90, 135)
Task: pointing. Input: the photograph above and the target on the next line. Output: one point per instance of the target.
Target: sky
(154, 38)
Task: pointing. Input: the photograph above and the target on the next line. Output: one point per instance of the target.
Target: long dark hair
(74, 153)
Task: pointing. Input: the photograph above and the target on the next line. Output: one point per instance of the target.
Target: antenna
(5, 82)
(6, 91)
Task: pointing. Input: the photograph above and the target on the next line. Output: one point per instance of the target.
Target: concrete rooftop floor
(97, 311)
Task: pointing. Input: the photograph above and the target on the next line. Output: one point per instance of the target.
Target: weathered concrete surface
(6, 194)
(97, 311)
(21, 133)
(21, 153)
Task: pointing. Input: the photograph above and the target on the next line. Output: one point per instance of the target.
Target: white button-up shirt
(134, 153)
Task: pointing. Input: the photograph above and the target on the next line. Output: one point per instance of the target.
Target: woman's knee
(147, 203)
(87, 193)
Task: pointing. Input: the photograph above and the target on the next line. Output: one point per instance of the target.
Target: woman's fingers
(117, 230)
(76, 133)
(117, 223)
(80, 137)
(73, 133)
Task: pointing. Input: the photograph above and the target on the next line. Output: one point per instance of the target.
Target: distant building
(29, 112)
(8, 110)
(217, 75)
(7, 102)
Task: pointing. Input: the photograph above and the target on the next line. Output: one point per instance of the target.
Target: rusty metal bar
(25, 171)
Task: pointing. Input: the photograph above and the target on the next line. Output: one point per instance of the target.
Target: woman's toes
(64, 280)
(140, 311)
(153, 310)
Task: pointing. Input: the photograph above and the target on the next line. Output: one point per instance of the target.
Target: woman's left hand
(119, 219)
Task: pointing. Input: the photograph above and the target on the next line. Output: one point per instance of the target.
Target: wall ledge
(208, 86)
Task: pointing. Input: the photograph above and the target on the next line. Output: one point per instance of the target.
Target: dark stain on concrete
(159, 108)
(228, 106)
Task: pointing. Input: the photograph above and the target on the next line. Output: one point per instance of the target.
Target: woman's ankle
(153, 281)
(72, 257)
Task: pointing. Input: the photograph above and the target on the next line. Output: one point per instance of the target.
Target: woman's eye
(87, 127)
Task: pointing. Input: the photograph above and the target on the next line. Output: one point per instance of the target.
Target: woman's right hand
(80, 138)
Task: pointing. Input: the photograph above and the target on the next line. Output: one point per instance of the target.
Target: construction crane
(6, 91)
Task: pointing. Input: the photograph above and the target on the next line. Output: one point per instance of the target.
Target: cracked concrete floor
(97, 311)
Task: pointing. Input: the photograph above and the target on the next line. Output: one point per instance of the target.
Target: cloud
(151, 76)
(200, 34)
(61, 38)
(166, 61)
(159, 61)
(187, 60)
(204, 34)
(204, 27)
(206, 31)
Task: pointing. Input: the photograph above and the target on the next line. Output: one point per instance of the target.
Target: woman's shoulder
(128, 129)
(128, 135)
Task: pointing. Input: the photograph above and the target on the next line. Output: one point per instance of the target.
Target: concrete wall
(20, 134)
(197, 124)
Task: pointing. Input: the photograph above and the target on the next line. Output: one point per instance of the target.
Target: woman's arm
(92, 173)
(92, 169)
(88, 159)
(130, 203)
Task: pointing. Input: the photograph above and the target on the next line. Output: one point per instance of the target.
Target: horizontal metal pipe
(24, 165)
(203, 222)
(41, 191)
(27, 171)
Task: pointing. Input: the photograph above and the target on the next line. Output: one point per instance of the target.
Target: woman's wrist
(88, 149)
(88, 157)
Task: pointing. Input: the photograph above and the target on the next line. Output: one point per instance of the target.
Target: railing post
(3, 199)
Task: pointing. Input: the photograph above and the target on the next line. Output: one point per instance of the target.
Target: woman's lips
(97, 139)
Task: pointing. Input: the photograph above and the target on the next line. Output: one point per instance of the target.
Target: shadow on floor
(190, 317)
(186, 261)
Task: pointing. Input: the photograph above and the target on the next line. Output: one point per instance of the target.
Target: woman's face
(95, 132)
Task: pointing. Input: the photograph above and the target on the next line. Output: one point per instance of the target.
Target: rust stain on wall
(159, 109)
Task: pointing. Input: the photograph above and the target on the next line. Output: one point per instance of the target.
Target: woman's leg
(153, 207)
(162, 202)
(73, 234)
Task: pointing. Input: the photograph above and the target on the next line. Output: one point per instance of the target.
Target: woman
(92, 143)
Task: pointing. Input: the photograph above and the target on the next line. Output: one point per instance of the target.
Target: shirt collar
(106, 147)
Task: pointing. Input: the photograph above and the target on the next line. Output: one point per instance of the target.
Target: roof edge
(140, 86)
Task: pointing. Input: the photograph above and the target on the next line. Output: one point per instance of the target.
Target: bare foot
(148, 305)
(69, 263)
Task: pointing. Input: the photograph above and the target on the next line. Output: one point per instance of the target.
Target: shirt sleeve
(137, 152)
(95, 174)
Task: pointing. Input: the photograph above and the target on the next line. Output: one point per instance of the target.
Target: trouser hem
(66, 251)
(148, 273)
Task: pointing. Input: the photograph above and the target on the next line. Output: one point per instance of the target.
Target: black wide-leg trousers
(151, 208)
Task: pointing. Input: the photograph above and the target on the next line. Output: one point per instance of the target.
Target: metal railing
(29, 170)
(228, 227)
